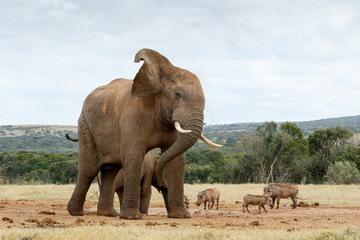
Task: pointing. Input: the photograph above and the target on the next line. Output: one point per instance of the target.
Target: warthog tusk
(208, 142)
(179, 128)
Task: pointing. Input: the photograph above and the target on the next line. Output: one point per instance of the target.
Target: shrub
(343, 172)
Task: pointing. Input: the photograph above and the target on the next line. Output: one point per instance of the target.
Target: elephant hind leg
(76, 203)
(88, 168)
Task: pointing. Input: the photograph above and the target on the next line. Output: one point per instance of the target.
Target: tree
(284, 139)
(348, 152)
(274, 152)
(323, 143)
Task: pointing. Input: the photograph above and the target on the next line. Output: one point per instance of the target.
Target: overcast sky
(258, 61)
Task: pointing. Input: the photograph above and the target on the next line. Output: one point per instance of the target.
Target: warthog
(278, 191)
(186, 201)
(256, 200)
(208, 196)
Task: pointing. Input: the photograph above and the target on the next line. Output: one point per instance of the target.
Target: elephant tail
(71, 139)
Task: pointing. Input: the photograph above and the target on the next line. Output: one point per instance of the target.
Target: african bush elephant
(148, 179)
(121, 121)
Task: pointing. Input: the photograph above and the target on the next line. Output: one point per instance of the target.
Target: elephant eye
(177, 95)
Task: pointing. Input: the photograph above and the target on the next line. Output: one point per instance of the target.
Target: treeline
(29, 168)
(271, 153)
(281, 154)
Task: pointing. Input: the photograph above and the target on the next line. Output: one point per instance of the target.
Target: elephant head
(179, 98)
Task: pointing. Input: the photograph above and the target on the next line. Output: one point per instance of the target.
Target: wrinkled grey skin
(277, 191)
(208, 196)
(148, 179)
(122, 121)
(256, 200)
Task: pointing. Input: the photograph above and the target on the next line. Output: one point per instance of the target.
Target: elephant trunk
(182, 144)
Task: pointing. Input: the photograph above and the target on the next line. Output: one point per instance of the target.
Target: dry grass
(337, 195)
(162, 232)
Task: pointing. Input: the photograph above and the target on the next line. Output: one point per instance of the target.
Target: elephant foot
(75, 210)
(130, 214)
(179, 213)
(111, 212)
(144, 212)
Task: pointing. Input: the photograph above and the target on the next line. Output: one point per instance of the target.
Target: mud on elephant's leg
(106, 200)
(174, 179)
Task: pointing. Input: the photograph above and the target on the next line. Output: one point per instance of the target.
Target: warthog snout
(200, 199)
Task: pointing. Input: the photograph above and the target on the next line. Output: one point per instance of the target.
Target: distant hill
(51, 138)
(352, 123)
(37, 138)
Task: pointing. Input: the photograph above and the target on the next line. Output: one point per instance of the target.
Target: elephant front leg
(174, 179)
(131, 196)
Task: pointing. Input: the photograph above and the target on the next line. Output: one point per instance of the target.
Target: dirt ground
(39, 214)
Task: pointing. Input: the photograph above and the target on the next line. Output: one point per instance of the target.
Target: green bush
(343, 172)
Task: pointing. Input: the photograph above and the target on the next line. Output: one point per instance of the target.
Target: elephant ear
(148, 80)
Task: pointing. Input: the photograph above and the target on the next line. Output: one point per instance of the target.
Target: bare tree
(285, 138)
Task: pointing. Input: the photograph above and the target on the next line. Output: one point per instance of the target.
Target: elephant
(121, 121)
(148, 179)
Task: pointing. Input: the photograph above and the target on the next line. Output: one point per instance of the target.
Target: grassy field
(333, 195)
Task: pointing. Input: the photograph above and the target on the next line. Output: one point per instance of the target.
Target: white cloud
(257, 60)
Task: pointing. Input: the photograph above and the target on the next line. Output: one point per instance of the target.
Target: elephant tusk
(208, 142)
(179, 128)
